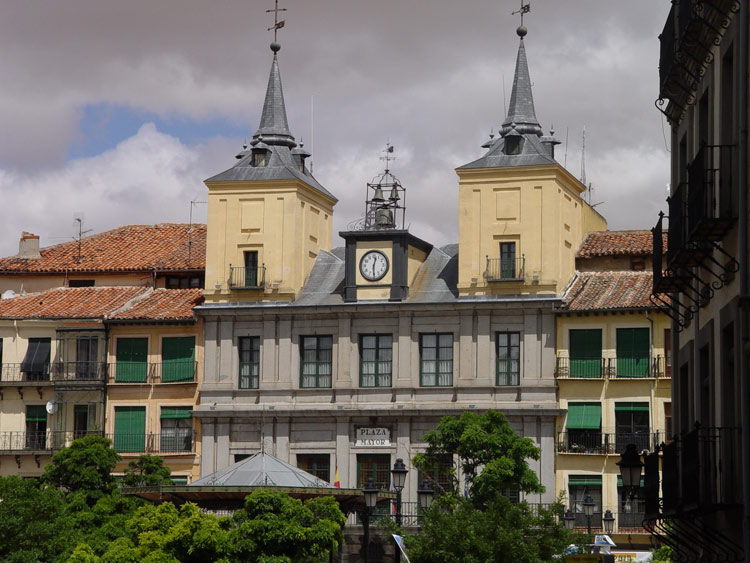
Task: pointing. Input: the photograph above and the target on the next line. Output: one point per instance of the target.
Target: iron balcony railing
(169, 442)
(178, 371)
(624, 521)
(596, 442)
(24, 373)
(505, 269)
(710, 206)
(612, 368)
(50, 440)
(247, 278)
(79, 371)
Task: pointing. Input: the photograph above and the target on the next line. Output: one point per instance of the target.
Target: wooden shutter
(178, 358)
(632, 352)
(586, 353)
(130, 429)
(132, 356)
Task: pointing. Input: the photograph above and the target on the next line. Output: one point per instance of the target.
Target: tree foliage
(485, 527)
(147, 471)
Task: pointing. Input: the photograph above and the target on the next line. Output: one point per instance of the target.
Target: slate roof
(133, 248)
(70, 302)
(162, 304)
(618, 243)
(260, 470)
(592, 291)
(122, 303)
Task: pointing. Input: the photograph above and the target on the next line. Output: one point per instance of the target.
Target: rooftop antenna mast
(78, 217)
(583, 157)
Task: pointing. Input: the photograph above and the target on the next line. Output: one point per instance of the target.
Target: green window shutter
(131, 358)
(631, 407)
(176, 412)
(589, 480)
(130, 429)
(584, 416)
(586, 353)
(632, 352)
(178, 359)
(619, 481)
(36, 413)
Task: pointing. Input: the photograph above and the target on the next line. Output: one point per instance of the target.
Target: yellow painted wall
(415, 258)
(154, 396)
(539, 208)
(285, 221)
(34, 283)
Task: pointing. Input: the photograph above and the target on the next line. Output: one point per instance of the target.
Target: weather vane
(277, 25)
(388, 151)
(525, 9)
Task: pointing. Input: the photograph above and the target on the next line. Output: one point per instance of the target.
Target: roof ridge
(135, 299)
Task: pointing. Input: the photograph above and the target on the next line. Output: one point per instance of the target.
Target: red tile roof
(618, 243)
(133, 248)
(69, 302)
(163, 304)
(591, 291)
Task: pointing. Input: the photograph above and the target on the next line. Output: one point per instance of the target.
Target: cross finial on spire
(524, 9)
(387, 158)
(277, 25)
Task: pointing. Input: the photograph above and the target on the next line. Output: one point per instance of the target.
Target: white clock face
(373, 265)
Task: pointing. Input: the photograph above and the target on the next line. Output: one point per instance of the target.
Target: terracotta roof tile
(164, 247)
(591, 291)
(162, 304)
(69, 302)
(618, 243)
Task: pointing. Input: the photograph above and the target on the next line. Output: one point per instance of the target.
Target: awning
(631, 407)
(584, 416)
(176, 412)
(595, 480)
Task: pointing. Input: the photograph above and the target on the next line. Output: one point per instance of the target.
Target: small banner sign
(373, 437)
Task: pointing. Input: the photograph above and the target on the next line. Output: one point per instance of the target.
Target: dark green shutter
(36, 413)
(619, 481)
(584, 416)
(631, 407)
(178, 359)
(588, 480)
(130, 429)
(586, 353)
(632, 352)
(176, 412)
(132, 357)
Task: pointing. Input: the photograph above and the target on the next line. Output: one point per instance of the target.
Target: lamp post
(371, 498)
(588, 510)
(569, 519)
(398, 476)
(630, 465)
(609, 522)
(425, 494)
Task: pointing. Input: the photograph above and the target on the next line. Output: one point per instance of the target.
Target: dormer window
(513, 144)
(259, 158)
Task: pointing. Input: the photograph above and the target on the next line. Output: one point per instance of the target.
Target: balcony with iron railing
(79, 372)
(173, 442)
(620, 368)
(177, 371)
(247, 278)
(596, 442)
(58, 372)
(505, 269)
(44, 441)
(711, 206)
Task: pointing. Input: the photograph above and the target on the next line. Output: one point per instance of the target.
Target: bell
(383, 217)
(378, 197)
(394, 194)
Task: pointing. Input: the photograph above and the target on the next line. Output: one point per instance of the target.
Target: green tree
(85, 466)
(148, 470)
(485, 527)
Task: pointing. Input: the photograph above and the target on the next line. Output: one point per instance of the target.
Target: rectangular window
(178, 359)
(80, 283)
(249, 350)
(316, 361)
(35, 363)
(632, 352)
(375, 360)
(176, 430)
(583, 427)
(668, 421)
(87, 356)
(130, 429)
(508, 358)
(436, 360)
(631, 511)
(586, 353)
(440, 475)
(80, 421)
(131, 360)
(668, 352)
(183, 282)
(316, 464)
(508, 260)
(251, 268)
(36, 427)
(631, 426)
(377, 466)
(579, 487)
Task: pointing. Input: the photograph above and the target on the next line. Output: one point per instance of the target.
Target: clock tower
(382, 257)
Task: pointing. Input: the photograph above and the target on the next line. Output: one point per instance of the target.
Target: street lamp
(398, 476)
(588, 510)
(569, 519)
(609, 522)
(630, 465)
(425, 494)
(370, 493)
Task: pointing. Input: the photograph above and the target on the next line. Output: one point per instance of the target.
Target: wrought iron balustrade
(172, 442)
(168, 371)
(49, 440)
(710, 208)
(571, 368)
(247, 278)
(79, 371)
(598, 442)
(24, 373)
(505, 269)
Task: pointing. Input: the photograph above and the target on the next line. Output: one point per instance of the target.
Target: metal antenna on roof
(78, 217)
(583, 158)
(277, 25)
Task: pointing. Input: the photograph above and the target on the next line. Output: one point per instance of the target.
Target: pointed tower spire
(521, 108)
(274, 128)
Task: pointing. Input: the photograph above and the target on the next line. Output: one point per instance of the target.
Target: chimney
(28, 247)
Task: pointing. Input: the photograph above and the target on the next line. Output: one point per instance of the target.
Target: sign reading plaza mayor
(373, 437)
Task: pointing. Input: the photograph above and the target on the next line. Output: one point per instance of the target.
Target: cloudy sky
(119, 110)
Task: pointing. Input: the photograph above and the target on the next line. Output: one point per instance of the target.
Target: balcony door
(251, 268)
(633, 352)
(36, 427)
(176, 430)
(507, 260)
(178, 359)
(87, 354)
(132, 356)
(632, 426)
(130, 429)
(586, 353)
(35, 365)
